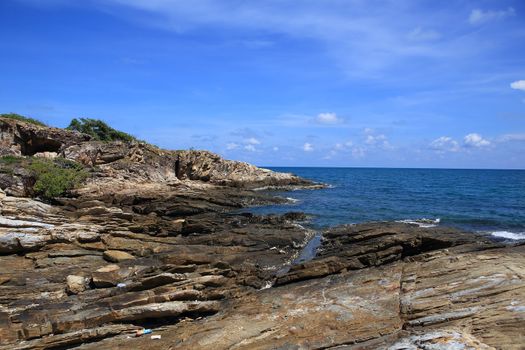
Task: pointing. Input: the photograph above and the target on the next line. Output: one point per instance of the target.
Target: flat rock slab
(117, 256)
(332, 311)
(482, 292)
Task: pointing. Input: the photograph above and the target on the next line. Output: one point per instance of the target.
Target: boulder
(46, 155)
(76, 284)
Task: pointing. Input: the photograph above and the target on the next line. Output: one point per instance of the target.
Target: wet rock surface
(151, 241)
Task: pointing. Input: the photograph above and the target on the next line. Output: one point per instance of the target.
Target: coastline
(151, 241)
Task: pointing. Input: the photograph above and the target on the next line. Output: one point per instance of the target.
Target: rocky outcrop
(25, 139)
(356, 247)
(209, 167)
(133, 170)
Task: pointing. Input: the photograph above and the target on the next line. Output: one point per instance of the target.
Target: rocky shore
(155, 240)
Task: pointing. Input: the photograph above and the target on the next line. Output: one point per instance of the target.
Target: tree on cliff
(99, 130)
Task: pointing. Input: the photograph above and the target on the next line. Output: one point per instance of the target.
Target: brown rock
(76, 284)
(21, 138)
(117, 256)
(107, 276)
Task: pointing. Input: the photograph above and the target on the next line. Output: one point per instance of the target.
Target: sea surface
(486, 201)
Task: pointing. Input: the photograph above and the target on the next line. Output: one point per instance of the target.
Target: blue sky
(280, 82)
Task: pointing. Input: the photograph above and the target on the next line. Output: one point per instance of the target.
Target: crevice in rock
(423, 245)
(177, 168)
(157, 322)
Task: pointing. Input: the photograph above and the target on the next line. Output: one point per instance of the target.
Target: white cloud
(250, 148)
(478, 16)
(252, 141)
(343, 146)
(307, 147)
(445, 144)
(361, 37)
(328, 118)
(231, 145)
(475, 140)
(518, 85)
(275, 149)
(448, 144)
(375, 139)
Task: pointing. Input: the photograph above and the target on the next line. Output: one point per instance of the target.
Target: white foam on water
(509, 235)
(292, 200)
(424, 223)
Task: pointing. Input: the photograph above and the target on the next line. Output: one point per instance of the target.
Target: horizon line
(382, 167)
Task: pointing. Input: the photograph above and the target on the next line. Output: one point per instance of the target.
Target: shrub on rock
(53, 178)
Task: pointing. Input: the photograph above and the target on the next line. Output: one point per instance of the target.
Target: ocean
(484, 201)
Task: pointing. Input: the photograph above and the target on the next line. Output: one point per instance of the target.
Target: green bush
(21, 118)
(53, 178)
(99, 130)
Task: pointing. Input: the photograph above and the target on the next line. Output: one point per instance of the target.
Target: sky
(344, 83)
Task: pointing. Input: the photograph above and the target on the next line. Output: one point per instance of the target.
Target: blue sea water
(491, 201)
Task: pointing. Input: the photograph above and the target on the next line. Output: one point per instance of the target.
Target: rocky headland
(156, 239)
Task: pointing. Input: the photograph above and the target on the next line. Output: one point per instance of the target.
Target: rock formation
(151, 241)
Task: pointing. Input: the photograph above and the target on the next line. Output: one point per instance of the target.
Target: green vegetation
(21, 118)
(8, 160)
(99, 130)
(48, 178)
(53, 178)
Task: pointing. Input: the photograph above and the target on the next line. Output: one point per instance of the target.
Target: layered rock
(355, 247)
(69, 277)
(470, 295)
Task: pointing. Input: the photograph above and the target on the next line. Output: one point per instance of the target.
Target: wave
(425, 223)
(515, 236)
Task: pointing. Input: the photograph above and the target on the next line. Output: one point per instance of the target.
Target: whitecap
(424, 223)
(509, 235)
